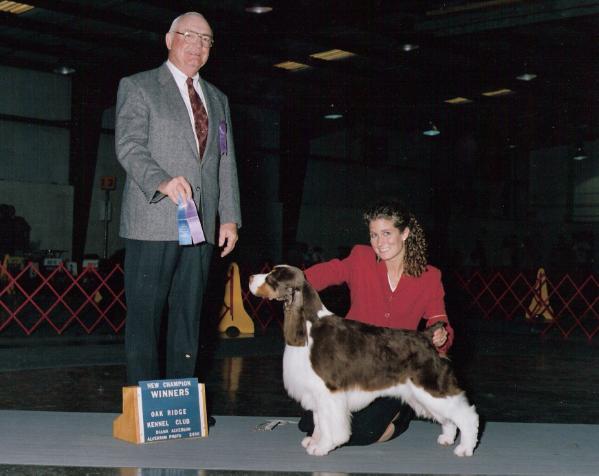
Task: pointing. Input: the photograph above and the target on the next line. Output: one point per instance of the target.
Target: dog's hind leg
(333, 420)
(465, 417)
(455, 411)
(452, 411)
(447, 437)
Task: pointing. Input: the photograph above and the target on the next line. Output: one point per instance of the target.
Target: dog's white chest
(300, 380)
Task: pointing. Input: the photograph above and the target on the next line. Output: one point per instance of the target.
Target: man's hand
(175, 187)
(227, 237)
(439, 337)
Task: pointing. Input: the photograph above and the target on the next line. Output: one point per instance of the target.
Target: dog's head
(285, 283)
(281, 283)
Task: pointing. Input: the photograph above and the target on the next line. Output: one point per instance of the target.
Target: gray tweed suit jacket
(155, 141)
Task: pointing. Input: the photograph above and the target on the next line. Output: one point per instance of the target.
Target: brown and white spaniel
(335, 366)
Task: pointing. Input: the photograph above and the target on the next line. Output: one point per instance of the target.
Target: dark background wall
(462, 192)
(498, 186)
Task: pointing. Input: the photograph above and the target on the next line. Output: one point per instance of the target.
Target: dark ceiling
(464, 49)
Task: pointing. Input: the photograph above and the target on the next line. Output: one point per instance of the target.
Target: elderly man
(174, 140)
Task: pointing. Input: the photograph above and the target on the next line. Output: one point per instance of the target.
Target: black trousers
(157, 273)
(369, 424)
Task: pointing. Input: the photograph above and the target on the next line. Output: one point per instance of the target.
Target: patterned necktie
(200, 117)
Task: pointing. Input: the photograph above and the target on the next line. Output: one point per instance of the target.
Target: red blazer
(372, 300)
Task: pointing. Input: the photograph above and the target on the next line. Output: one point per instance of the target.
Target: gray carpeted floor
(85, 439)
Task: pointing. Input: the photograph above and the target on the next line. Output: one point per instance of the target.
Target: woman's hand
(440, 337)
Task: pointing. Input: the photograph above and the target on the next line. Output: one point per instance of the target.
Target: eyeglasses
(192, 37)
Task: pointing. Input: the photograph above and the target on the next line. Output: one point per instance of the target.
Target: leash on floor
(270, 425)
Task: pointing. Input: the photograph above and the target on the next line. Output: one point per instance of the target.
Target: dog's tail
(429, 331)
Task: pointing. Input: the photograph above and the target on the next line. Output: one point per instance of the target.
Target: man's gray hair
(176, 20)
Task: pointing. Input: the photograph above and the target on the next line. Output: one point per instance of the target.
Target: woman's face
(386, 239)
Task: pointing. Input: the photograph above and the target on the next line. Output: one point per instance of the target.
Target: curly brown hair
(416, 248)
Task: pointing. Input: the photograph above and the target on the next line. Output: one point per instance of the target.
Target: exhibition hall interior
(481, 116)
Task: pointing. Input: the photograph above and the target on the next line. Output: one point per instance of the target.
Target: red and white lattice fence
(565, 303)
(92, 300)
(30, 298)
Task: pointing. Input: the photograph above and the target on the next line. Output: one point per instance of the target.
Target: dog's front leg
(447, 437)
(313, 440)
(332, 420)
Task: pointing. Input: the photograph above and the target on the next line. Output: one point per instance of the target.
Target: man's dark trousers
(157, 273)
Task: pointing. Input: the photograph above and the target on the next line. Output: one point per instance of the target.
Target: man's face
(188, 57)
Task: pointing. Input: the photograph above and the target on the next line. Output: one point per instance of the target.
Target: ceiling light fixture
(258, 7)
(458, 100)
(498, 92)
(64, 70)
(291, 66)
(14, 7)
(332, 55)
(409, 47)
(580, 154)
(333, 113)
(526, 77)
(432, 131)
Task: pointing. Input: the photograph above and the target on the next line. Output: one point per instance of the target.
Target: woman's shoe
(306, 423)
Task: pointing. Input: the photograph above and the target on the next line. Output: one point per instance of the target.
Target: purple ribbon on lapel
(222, 137)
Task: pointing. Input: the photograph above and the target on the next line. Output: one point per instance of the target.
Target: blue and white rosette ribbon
(188, 222)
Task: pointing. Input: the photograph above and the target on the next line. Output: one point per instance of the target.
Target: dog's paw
(319, 447)
(306, 441)
(463, 450)
(445, 440)
(318, 450)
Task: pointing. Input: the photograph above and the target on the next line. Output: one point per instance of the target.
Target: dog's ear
(294, 326)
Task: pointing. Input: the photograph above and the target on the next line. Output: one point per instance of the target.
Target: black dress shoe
(211, 421)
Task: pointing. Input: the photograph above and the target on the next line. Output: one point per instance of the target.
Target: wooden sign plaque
(159, 410)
